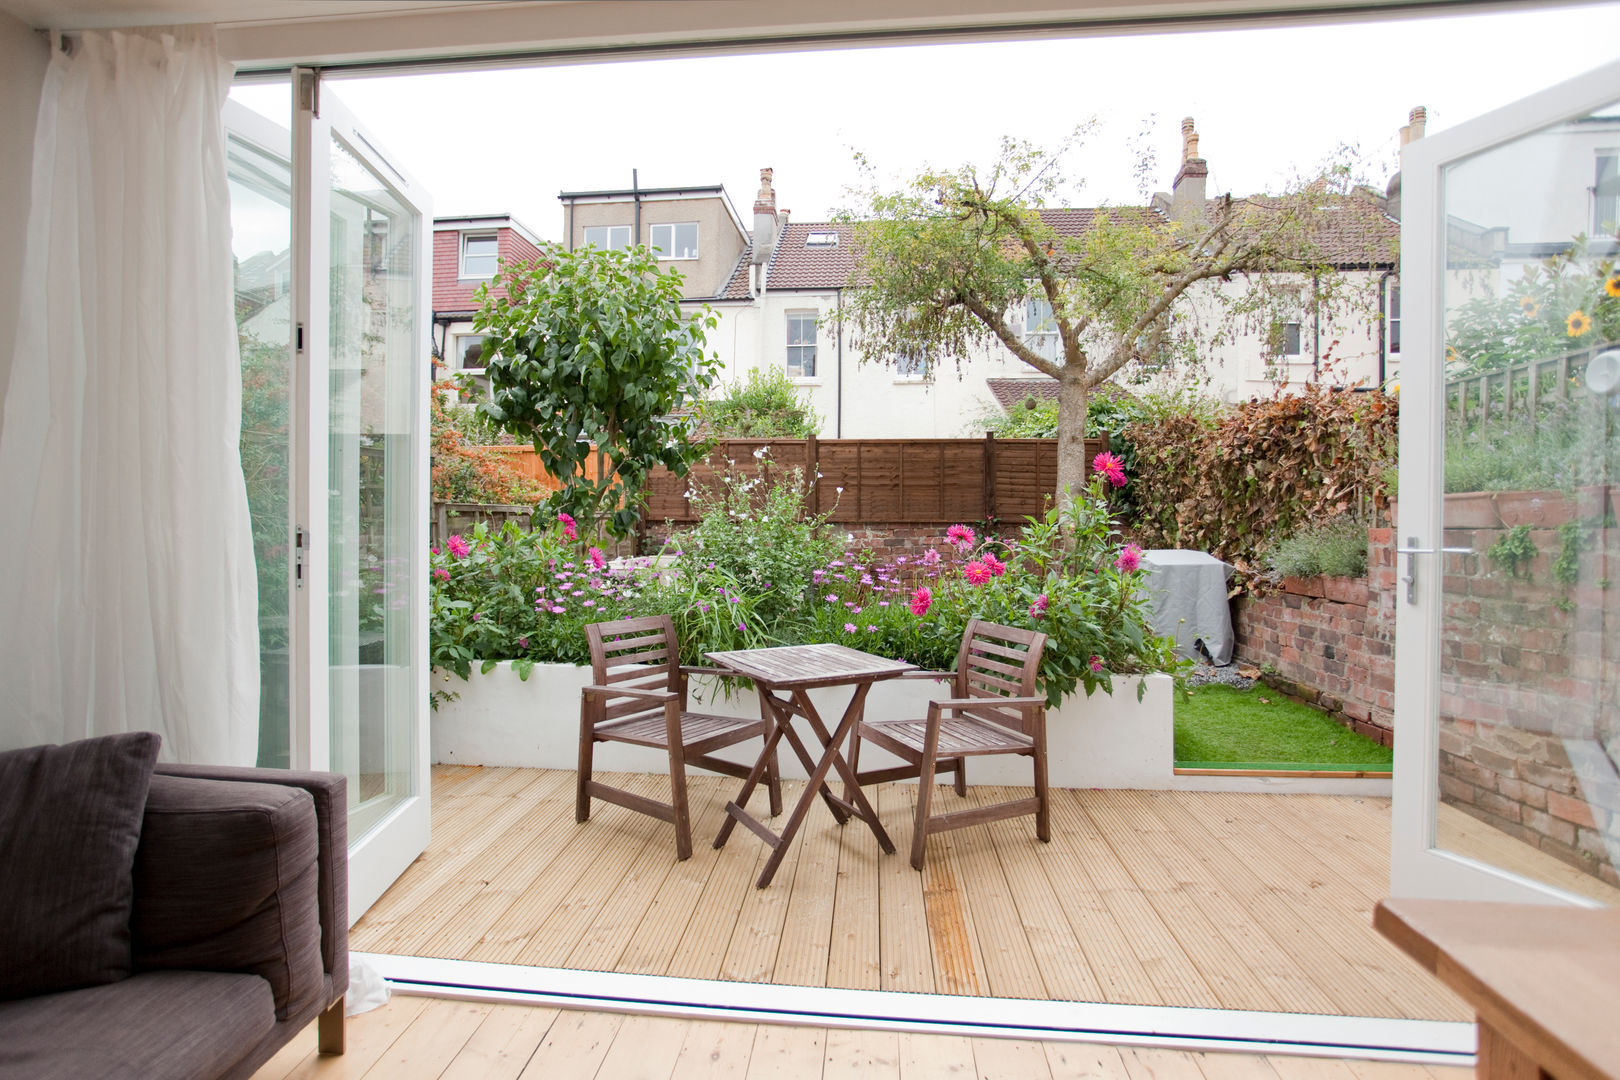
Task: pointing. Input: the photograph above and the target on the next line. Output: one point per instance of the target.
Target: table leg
(768, 707)
(852, 788)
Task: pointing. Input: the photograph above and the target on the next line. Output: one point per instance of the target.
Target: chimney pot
(767, 226)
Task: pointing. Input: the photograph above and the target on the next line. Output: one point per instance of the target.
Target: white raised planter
(1098, 742)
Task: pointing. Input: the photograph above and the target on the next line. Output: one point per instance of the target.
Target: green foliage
(1570, 301)
(1566, 446)
(264, 447)
(1514, 550)
(1063, 576)
(1226, 726)
(1263, 470)
(1336, 548)
(953, 259)
(755, 533)
(591, 348)
(765, 406)
(757, 571)
(1566, 567)
(463, 470)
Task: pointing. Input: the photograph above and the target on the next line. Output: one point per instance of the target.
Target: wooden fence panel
(917, 481)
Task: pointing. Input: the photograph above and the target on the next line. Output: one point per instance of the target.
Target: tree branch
(999, 327)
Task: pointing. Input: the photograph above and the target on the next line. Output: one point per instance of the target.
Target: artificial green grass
(1226, 728)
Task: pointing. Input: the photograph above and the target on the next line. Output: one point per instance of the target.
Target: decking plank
(503, 1044)
(854, 957)
(906, 962)
(807, 933)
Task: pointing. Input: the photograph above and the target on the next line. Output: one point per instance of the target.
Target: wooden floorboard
(416, 1038)
(1149, 898)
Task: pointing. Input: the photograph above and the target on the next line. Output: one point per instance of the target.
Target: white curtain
(129, 600)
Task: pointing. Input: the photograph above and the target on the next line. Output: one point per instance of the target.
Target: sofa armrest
(330, 794)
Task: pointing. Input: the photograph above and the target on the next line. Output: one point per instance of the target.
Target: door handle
(1411, 551)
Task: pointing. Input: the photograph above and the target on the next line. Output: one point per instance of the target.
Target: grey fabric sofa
(237, 935)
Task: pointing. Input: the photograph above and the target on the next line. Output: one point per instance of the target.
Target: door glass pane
(261, 240)
(372, 545)
(1529, 760)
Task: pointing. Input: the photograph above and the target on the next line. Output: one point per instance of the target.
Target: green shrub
(757, 571)
(764, 406)
(1335, 548)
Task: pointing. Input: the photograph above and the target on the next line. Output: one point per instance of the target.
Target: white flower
(840, 491)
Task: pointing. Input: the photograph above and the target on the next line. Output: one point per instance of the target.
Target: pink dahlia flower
(458, 546)
(1130, 558)
(598, 559)
(568, 526)
(1111, 467)
(920, 601)
(977, 572)
(961, 536)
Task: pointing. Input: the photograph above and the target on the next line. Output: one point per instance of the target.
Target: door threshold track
(1427, 1042)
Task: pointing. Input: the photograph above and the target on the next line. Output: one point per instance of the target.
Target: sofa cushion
(161, 1024)
(225, 880)
(70, 819)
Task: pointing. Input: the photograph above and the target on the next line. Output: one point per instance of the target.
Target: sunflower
(1451, 355)
(1612, 286)
(1528, 305)
(1579, 322)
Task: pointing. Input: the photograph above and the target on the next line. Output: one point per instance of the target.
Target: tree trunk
(1072, 468)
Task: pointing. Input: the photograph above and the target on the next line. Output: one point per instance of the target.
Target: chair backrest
(998, 661)
(639, 654)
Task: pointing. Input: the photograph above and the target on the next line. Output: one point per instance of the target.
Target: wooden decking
(413, 1038)
(1152, 898)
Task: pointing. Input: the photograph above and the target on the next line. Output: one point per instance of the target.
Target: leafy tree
(951, 258)
(592, 353)
(765, 406)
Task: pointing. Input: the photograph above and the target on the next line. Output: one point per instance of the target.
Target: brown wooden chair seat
(638, 696)
(994, 708)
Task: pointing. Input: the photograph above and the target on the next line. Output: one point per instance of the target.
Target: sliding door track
(1429, 1042)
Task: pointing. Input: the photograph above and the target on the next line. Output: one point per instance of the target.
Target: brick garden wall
(1331, 641)
(1530, 687)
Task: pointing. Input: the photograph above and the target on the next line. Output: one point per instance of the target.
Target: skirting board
(1429, 1042)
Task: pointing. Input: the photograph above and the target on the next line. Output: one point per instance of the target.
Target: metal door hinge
(1411, 551)
(298, 557)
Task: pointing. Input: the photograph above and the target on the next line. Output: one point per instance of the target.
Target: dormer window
(821, 239)
(479, 255)
(676, 241)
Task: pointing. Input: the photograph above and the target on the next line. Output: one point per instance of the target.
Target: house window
(608, 237)
(676, 241)
(821, 239)
(1606, 193)
(912, 366)
(479, 255)
(1392, 319)
(801, 344)
(1040, 328)
(467, 351)
(1291, 338)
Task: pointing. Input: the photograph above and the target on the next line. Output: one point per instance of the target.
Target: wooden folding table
(783, 677)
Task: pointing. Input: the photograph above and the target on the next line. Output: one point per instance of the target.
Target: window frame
(906, 363)
(1599, 198)
(814, 344)
(459, 350)
(495, 256)
(1392, 318)
(585, 240)
(672, 226)
(1045, 342)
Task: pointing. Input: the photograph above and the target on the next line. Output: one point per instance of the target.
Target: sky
(1269, 104)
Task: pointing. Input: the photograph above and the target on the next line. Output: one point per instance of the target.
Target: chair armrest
(329, 793)
(622, 691)
(929, 675)
(720, 671)
(958, 704)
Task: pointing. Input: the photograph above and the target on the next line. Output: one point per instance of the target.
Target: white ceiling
(266, 34)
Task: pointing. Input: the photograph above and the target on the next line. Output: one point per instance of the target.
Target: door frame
(1417, 866)
(377, 858)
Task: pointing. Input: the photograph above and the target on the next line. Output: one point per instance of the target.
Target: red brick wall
(452, 292)
(1527, 674)
(1331, 640)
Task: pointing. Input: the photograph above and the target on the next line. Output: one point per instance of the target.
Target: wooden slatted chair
(638, 696)
(994, 708)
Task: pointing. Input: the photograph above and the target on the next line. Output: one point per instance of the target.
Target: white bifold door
(333, 243)
(1507, 764)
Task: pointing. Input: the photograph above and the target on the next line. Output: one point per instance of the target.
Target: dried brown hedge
(1270, 466)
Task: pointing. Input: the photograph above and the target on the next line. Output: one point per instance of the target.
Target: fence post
(989, 476)
(812, 472)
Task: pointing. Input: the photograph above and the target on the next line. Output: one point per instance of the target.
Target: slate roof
(1357, 233)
